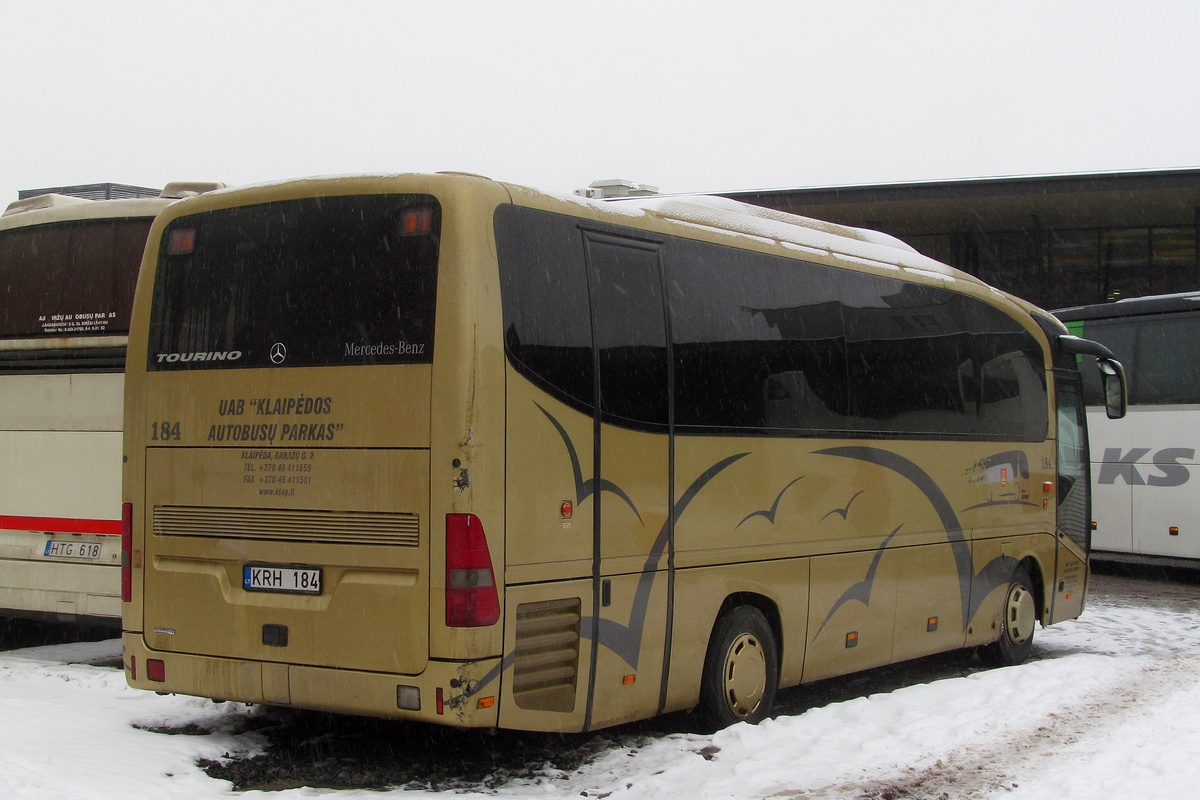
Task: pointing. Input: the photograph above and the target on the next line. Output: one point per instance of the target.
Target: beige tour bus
(440, 448)
(68, 269)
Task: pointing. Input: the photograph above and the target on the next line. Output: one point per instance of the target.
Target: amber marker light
(485, 702)
(628, 679)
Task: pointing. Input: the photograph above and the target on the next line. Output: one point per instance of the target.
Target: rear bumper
(470, 689)
(60, 591)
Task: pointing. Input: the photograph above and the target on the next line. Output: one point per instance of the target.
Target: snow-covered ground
(1107, 709)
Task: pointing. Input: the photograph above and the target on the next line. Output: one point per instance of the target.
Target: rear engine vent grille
(337, 527)
(547, 663)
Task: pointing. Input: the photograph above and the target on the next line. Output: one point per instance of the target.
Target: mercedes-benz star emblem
(278, 353)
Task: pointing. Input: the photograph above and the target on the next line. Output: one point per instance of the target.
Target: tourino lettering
(171, 358)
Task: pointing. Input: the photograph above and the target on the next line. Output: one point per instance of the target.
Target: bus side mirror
(1112, 375)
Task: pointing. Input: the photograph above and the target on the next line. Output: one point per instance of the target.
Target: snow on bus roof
(757, 221)
(802, 234)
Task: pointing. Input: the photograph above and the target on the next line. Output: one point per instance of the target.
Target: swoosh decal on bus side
(844, 511)
(768, 513)
(973, 587)
(860, 591)
(1001, 503)
(585, 489)
(626, 640)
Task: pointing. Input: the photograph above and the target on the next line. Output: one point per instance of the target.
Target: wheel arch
(1037, 575)
(766, 606)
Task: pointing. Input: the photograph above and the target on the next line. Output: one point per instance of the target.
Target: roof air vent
(41, 201)
(616, 187)
(177, 190)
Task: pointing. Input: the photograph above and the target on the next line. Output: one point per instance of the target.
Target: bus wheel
(741, 670)
(1016, 629)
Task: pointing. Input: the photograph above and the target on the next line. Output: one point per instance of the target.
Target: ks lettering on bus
(1124, 466)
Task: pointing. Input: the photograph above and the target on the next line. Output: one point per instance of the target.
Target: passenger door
(632, 465)
(1073, 498)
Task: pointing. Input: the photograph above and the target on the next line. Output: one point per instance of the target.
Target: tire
(741, 670)
(1017, 624)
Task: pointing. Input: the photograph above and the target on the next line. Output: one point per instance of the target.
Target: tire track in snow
(985, 768)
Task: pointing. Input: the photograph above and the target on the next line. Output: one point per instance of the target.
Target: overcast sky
(685, 95)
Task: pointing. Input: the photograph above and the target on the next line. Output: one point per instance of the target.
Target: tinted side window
(1161, 356)
(1119, 336)
(630, 329)
(927, 360)
(1168, 361)
(544, 293)
(758, 340)
(768, 342)
(909, 361)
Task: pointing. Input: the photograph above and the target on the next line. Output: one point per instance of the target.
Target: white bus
(68, 269)
(1143, 505)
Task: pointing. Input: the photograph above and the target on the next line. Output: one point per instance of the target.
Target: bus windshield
(312, 282)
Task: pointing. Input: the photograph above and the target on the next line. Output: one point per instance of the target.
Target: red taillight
(126, 552)
(471, 597)
(416, 221)
(181, 242)
(156, 670)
